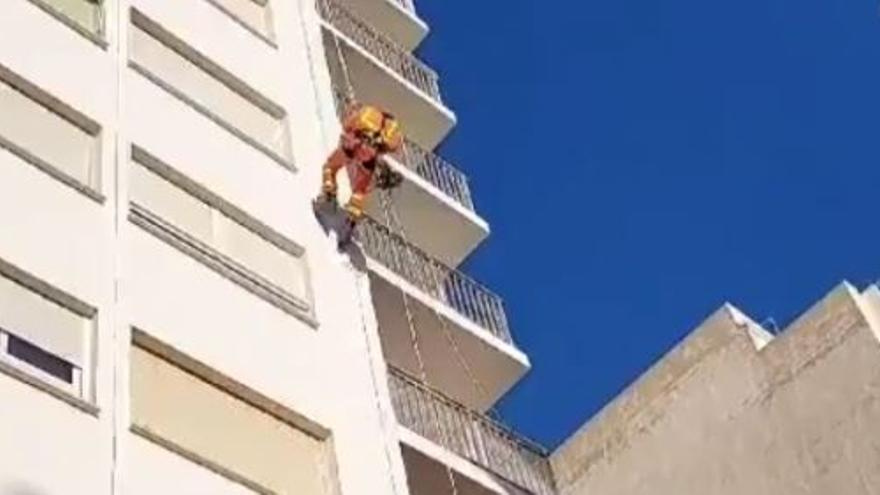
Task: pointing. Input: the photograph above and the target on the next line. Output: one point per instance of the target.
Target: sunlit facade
(173, 319)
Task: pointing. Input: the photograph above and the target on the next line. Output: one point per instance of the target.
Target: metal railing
(380, 46)
(431, 167)
(471, 434)
(453, 288)
(438, 172)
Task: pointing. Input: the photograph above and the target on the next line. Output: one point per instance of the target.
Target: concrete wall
(328, 371)
(63, 238)
(729, 411)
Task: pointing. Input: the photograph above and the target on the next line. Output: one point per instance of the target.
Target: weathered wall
(717, 415)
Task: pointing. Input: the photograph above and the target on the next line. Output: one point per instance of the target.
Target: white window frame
(173, 43)
(98, 37)
(81, 392)
(140, 215)
(326, 461)
(88, 126)
(269, 37)
(76, 387)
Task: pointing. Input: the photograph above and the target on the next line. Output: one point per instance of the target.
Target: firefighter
(369, 134)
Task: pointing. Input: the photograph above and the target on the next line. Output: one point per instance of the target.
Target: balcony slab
(445, 338)
(431, 219)
(426, 120)
(395, 18)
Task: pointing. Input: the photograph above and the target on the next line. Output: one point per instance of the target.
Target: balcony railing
(438, 172)
(431, 167)
(471, 435)
(453, 288)
(389, 53)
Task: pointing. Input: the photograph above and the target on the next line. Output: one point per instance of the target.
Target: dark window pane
(41, 359)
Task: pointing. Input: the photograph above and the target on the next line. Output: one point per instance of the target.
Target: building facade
(174, 319)
(734, 409)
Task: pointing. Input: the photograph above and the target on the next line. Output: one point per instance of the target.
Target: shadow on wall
(18, 488)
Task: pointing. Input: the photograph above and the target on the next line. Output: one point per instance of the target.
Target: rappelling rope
(392, 216)
(414, 340)
(365, 329)
(350, 100)
(343, 66)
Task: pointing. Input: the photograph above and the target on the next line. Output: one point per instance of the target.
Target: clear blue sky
(643, 161)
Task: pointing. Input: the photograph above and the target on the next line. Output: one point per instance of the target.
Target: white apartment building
(173, 319)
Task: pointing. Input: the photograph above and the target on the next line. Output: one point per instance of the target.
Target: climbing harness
(368, 135)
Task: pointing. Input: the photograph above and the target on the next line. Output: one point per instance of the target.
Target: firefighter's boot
(328, 182)
(355, 207)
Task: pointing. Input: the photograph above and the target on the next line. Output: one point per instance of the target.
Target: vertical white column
(117, 15)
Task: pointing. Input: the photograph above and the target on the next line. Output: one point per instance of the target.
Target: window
(83, 14)
(228, 101)
(50, 135)
(192, 417)
(213, 230)
(44, 339)
(253, 14)
(172, 204)
(38, 358)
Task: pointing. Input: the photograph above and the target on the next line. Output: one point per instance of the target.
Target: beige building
(735, 410)
(173, 319)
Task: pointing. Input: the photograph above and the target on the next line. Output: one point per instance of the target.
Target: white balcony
(385, 74)
(396, 18)
(460, 326)
(433, 207)
(442, 434)
(430, 218)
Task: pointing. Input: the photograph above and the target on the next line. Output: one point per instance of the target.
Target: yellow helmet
(369, 120)
(381, 125)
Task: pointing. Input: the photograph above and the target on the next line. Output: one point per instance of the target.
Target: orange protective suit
(368, 134)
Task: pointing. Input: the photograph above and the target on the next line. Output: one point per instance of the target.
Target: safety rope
(364, 328)
(343, 66)
(392, 215)
(414, 340)
(350, 100)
